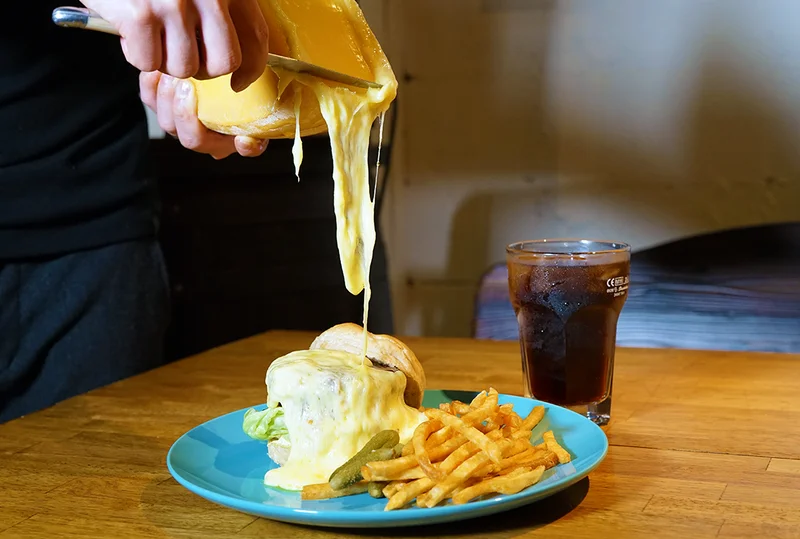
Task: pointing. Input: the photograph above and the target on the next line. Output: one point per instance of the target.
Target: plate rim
(407, 517)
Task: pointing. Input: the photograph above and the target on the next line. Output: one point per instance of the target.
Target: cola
(567, 307)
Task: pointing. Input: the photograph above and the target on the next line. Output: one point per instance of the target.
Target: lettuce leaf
(267, 424)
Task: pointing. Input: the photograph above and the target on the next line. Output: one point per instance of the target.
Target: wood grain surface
(703, 444)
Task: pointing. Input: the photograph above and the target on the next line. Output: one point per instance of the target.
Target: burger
(325, 403)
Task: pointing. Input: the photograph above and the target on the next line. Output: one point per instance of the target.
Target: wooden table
(702, 445)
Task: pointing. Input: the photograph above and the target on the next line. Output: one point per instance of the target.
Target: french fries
(552, 445)
(421, 434)
(464, 451)
(487, 450)
(471, 433)
(511, 483)
(324, 491)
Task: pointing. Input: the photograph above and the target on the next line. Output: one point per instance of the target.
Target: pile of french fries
(461, 452)
(465, 451)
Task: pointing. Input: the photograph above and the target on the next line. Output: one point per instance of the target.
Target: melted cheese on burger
(333, 404)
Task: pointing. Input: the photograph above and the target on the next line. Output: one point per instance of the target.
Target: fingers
(190, 132)
(254, 42)
(156, 34)
(249, 146)
(175, 104)
(163, 35)
(148, 88)
(220, 41)
(165, 104)
(181, 57)
(141, 40)
(195, 136)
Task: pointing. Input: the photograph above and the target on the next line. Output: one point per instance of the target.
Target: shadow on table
(176, 511)
(505, 524)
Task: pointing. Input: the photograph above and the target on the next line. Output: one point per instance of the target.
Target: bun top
(382, 350)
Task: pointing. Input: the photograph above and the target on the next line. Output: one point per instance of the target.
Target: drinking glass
(567, 295)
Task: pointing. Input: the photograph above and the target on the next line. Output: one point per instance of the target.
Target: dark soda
(567, 315)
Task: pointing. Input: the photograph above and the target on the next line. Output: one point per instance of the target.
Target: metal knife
(74, 17)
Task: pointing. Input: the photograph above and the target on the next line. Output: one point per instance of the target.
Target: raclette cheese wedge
(335, 35)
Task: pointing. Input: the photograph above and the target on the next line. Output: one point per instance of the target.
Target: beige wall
(638, 121)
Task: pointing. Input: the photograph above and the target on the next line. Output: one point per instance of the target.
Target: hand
(175, 103)
(191, 38)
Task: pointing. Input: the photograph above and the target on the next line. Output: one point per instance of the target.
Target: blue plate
(217, 461)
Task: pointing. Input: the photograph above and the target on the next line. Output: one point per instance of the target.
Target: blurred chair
(736, 289)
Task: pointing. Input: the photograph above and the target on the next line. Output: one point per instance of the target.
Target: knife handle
(76, 17)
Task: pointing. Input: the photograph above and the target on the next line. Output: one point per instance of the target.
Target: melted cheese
(349, 114)
(297, 147)
(333, 404)
(334, 34)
